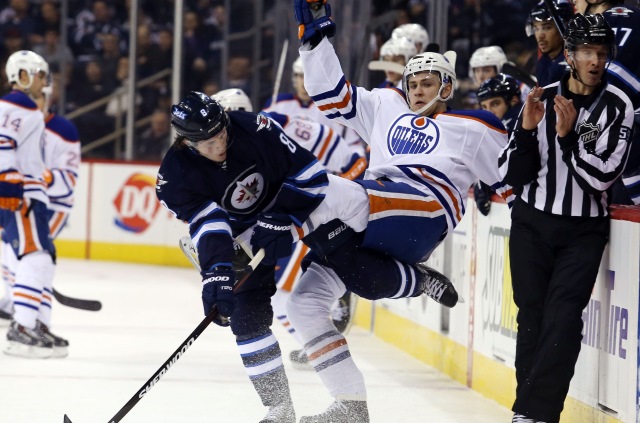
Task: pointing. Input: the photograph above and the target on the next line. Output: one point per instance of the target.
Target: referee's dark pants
(554, 264)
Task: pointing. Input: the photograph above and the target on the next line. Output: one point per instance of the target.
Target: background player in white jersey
(413, 32)
(419, 175)
(299, 103)
(23, 202)
(394, 55)
(487, 62)
(339, 159)
(62, 161)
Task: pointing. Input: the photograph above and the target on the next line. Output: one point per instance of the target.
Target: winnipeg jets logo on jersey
(620, 11)
(411, 134)
(246, 192)
(263, 122)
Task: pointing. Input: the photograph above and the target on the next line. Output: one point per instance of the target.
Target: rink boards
(117, 217)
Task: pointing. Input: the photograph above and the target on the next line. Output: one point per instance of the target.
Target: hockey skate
(28, 343)
(60, 345)
(280, 413)
(299, 360)
(341, 411)
(437, 286)
(5, 318)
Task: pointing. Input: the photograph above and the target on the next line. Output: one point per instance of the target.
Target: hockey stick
(551, 8)
(179, 352)
(511, 70)
(190, 252)
(283, 57)
(79, 303)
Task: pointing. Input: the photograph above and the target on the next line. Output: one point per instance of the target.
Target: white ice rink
(147, 312)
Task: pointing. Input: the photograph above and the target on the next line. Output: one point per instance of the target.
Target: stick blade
(66, 419)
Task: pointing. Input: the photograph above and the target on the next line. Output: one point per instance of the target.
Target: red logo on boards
(136, 203)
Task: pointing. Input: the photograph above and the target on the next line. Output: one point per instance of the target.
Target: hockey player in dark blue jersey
(551, 64)
(225, 173)
(624, 73)
(499, 95)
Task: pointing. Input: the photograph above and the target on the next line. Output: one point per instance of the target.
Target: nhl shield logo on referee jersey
(412, 134)
(588, 133)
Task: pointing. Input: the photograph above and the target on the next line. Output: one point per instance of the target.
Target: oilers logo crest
(245, 193)
(411, 134)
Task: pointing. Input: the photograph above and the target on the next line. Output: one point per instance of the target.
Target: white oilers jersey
(444, 155)
(21, 142)
(291, 106)
(62, 158)
(326, 144)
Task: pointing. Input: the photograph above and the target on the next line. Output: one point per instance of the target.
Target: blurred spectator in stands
(155, 140)
(17, 15)
(194, 50)
(119, 104)
(92, 124)
(48, 19)
(144, 51)
(12, 41)
(210, 87)
(239, 74)
(91, 25)
(54, 50)
(110, 56)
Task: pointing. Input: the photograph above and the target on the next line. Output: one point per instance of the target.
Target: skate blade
(17, 349)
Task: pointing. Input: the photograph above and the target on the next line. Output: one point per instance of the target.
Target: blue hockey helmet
(198, 117)
(500, 85)
(540, 13)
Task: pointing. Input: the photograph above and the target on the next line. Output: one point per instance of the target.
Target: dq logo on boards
(136, 203)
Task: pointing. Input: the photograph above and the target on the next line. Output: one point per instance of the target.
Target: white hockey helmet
(414, 33)
(487, 56)
(398, 47)
(233, 99)
(28, 61)
(442, 64)
(297, 67)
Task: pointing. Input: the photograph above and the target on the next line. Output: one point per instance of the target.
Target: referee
(569, 146)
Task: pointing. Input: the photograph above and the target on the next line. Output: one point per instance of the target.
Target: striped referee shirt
(570, 175)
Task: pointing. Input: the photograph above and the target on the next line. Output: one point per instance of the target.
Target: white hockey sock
(28, 290)
(308, 309)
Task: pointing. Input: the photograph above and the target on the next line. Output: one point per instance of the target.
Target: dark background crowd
(94, 57)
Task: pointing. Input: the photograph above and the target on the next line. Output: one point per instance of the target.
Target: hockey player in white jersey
(413, 32)
(23, 202)
(62, 161)
(299, 103)
(394, 55)
(424, 158)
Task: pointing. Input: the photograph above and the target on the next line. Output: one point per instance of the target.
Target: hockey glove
(273, 233)
(11, 190)
(217, 289)
(314, 20)
(482, 194)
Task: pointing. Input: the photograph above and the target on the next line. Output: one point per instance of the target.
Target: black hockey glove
(217, 289)
(482, 194)
(273, 233)
(314, 20)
